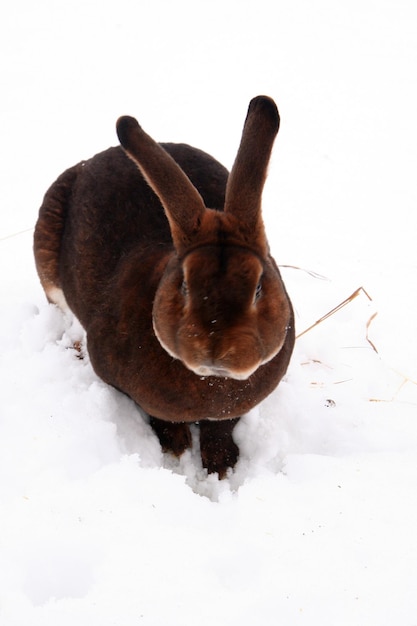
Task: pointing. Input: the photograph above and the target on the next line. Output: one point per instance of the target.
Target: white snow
(318, 523)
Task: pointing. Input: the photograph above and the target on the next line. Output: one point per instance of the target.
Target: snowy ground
(318, 523)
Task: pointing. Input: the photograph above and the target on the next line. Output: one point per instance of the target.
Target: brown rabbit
(183, 306)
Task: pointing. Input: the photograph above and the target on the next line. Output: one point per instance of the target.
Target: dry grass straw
(337, 308)
(404, 380)
(20, 232)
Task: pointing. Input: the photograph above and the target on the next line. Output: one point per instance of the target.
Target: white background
(317, 525)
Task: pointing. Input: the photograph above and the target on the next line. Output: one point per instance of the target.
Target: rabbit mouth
(221, 372)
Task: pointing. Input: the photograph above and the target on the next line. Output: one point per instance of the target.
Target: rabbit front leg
(174, 437)
(217, 448)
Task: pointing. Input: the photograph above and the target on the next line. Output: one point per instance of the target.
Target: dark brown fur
(104, 239)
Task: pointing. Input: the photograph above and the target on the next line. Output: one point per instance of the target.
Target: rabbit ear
(247, 178)
(183, 205)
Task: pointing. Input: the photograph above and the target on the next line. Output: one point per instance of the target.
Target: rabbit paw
(174, 437)
(218, 450)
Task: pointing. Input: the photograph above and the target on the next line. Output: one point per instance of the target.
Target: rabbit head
(221, 307)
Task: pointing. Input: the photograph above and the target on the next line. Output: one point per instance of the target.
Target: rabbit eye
(258, 291)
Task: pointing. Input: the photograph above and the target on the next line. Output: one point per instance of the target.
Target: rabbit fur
(183, 306)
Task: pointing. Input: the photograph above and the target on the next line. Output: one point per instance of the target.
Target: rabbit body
(191, 320)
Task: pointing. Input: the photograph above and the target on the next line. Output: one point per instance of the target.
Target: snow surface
(318, 523)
